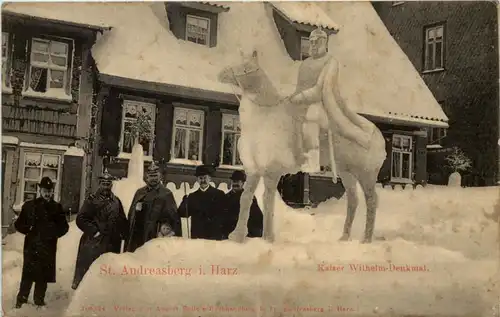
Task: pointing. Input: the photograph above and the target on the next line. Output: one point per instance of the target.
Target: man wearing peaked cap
(104, 225)
(205, 207)
(232, 208)
(43, 222)
(153, 212)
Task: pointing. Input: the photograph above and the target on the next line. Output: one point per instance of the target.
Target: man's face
(153, 179)
(237, 185)
(46, 193)
(318, 46)
(204, 180)
(106, 185)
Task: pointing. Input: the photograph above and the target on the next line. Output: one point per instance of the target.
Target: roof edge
(69, 23)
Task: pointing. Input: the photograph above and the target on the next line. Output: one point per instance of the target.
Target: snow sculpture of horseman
(357, 144)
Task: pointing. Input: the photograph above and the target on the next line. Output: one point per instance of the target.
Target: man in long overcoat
(153, 212)
(104, 225)
(205, 207)
(232, 208)
(43, 222)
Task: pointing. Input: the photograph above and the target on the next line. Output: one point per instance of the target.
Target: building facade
(47, 85)
(454, 46)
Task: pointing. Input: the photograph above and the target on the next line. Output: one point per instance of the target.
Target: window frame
(223, 133)
(432, 68)
(187, 161)
(198, 17)
(51, 93)
(126, 155)
(22, 179)
(401, 153)
(302, 53)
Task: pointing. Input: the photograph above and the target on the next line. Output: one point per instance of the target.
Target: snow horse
(268, 137)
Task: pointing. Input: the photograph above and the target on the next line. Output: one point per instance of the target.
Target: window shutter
(163, 131)
(420, 161)
(111, 120)
(213, 138)
(384, 175)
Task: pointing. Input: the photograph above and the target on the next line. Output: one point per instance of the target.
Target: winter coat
(158, 207)
(206, 209)
(103, 214)
(42, 223)
(232, 211)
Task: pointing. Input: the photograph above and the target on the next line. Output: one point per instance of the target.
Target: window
(436, 135)
(231, 133)
(134, 114)
(198, 30)
(304, 48)
(49, 69)
(434, 55)
(188, 134)
(5, 57)
(402, 146)
(36, 166)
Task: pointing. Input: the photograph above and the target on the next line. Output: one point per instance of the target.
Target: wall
(469, 84)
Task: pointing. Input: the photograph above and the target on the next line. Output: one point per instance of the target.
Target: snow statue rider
(309, 107)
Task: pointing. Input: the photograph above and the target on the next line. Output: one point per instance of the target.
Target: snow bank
(304, 267)
(58, 294)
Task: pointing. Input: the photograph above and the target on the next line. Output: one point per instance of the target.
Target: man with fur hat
(104, 225)
(205, 207)
(43, 222)
(232, 208)
(153, 212)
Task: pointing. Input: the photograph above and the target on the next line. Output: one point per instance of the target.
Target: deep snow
(442, 228)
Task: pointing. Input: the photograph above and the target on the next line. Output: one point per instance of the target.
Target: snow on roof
(376, 77)
(305, 13)
(72, 12)
(217, 4)
(145, 49)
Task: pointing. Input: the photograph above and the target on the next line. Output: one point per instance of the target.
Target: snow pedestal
(176, 277)
(125, 188)
(455, 180)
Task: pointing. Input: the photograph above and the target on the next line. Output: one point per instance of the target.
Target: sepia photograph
(250, 159)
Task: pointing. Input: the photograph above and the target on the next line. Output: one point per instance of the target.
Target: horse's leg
(241, 230)
(270, 184)
(349, 182)
(368, 185)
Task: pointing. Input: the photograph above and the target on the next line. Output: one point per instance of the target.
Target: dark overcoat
(43, 223)
(161, 209)
(206, 209)
(104, 215)
(255, 221)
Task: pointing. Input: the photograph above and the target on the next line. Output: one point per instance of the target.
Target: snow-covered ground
(440, 228)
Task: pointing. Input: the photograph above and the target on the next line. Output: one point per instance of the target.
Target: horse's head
(245, 74)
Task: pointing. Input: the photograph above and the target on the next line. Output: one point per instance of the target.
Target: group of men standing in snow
(153, 214)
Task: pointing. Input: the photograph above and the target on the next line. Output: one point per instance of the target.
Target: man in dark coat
(205, 207)
(104, 225)
(43, 222)
(153, 212)
(232, 208)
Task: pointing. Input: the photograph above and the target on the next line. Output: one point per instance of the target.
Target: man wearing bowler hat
(255, 221)
(153, 212)
(43, 222)
(205, 207)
